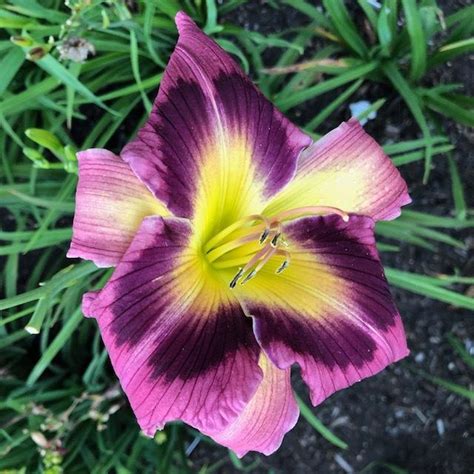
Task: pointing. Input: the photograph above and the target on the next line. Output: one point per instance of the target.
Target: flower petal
(179, 342)
(213, 147)
(270, 414)
(110, 205)
(346, 169)
(331, 310)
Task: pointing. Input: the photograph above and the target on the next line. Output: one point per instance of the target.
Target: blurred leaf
(423, 286)
(345, 27)
(457, 190)
(417, 39)
(309, 416)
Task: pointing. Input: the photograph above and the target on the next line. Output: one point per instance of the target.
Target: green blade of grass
(457, 190)
(457, 345)
(136, 70)
(413, 156)
(327, 434)
(369, 13)
(412, 282)
(417, 39)
(9, 65)
(451, 51)
(345, 27)
(54, 68)
(62, 337)
(430, 220)
(299, 97)
(22, 101)
(335, 104)
(377, 105)
(409, 145)
(309, 10)
(413, 104)
(450, 109)
(452, 387)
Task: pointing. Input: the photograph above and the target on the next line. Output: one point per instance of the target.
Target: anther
(283, 266)
(236, 278)
(264, 236)
(248, 277)
(286, 263)
(274, 241)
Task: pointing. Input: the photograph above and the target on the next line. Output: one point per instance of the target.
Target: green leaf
(451, 51)
(461, 350)
(136, 70)
(384, 31)
(10, 65)
(453, 387)
(412, 282)
(457, 190)
(299, 97)
(309, 416)
(211, 25)
(53, 67)
(413, 104)
(369, 13)
(53, 349)
(232, 48)
(417, 39)
(335, 104)
(345, 27)
(309, 10)
(446, 107)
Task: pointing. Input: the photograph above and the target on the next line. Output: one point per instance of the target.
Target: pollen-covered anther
(285, 264)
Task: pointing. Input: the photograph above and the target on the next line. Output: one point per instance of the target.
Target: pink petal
(180, 346)
(331, 311)
(270, 414)
(110, 205)
(209, 123)
(346, 169)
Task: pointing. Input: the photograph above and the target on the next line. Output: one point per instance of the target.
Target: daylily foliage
(241, 248)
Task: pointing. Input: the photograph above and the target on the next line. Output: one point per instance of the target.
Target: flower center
(252, 241)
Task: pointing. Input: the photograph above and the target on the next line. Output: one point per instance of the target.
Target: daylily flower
(241, 248)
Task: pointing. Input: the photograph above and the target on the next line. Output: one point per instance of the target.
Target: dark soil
(396, 417)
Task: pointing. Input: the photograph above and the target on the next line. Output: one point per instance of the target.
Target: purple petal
(331, 311)
(346, 169)
(209, 123)
(270, 414)
(181, 347)
(110, 205)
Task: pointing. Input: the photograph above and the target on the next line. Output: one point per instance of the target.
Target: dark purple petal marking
(181, 348)
(206, 101)
(338, 320)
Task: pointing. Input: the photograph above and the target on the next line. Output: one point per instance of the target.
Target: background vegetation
(61, 409)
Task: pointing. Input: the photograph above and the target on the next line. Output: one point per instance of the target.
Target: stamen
(246, 232)
(236, 278)
(264, 235)
(264, 260)
(274, 241)
(311, 210)
(215, 253)
(261, 255)
(234, 226)
(286, 263)
(248, 277)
